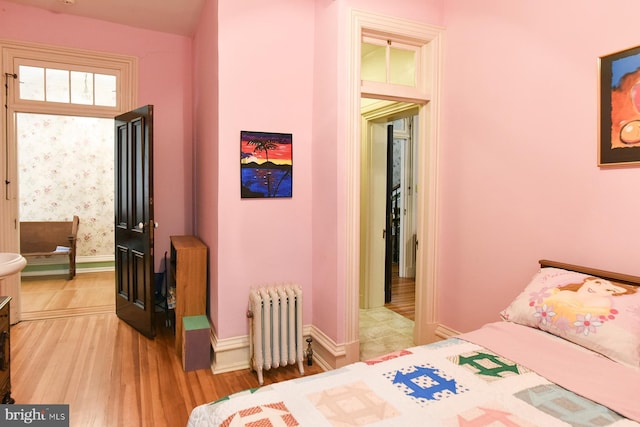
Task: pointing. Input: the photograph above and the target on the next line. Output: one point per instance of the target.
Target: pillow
(601, 315)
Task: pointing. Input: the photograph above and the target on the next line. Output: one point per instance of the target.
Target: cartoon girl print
(584, 306)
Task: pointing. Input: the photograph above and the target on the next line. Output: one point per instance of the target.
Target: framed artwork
(266, 164)
(620, 108)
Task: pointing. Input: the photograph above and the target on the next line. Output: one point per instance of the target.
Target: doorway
(389, 170)
(54, 82)
(423, 88)
(65, 168)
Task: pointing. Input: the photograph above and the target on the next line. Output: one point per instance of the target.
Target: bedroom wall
(519, 174)
(297, 239)
(332, 21)
(206, 178)
(264, 75)
(165, 80)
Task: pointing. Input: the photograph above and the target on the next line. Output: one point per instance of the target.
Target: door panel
(377, 218)
(134, 225)
(388, 226)
(409, 177)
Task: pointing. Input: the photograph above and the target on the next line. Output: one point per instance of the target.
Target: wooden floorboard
(107, 372)
(110, 375)
(48, 297)
(403, 295)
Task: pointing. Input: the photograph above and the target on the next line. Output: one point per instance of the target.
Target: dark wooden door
(134, 224)
(388, 243)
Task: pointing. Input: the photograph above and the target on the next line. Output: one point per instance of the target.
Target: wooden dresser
(188, 274)
(5, 351)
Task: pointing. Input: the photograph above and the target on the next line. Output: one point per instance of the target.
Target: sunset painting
(265, 164)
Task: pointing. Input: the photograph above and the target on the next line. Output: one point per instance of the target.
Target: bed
(566, 353)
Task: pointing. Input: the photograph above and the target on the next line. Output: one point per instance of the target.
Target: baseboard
(59, 265)
(445, 332)
(326, 352)
(232, 354)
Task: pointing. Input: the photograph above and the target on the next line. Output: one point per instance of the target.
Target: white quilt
(449, 383)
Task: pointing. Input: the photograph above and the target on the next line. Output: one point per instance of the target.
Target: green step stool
(196, 346)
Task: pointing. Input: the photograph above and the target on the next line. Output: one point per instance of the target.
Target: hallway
(389, 328)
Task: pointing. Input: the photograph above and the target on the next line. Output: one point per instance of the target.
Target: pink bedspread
(581, 371)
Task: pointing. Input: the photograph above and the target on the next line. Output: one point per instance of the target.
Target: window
(68, 81)
(387, 61)
(67, 86)
(59, 137)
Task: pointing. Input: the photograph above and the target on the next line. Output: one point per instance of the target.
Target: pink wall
(518, 176)
(265, 77)
(206, 128)
(328, 295)
(332, 22)
(300, 90)
(519, 180)
(165, 80)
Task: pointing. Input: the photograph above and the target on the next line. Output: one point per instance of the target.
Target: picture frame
(619, 132)
(266, 164)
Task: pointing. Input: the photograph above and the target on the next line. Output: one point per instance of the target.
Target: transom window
(56, 80)
(67, 86)
(390, 62)
(390, 66)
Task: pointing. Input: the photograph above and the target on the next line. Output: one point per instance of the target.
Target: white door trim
(431, 60)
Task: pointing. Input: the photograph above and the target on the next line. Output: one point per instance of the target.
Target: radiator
(275, 328)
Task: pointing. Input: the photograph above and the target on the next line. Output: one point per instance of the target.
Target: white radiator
(276, 328)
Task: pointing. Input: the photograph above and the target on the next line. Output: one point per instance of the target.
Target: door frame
(426, 256)
(375, 117)
(11, 52)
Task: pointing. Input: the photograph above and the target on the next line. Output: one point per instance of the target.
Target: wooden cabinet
(188, 274)
(5, 352)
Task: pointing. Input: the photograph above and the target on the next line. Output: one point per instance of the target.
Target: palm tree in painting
(265, 146)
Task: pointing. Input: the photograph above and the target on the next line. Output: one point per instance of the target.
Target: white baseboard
(232, 354)
(445, 332)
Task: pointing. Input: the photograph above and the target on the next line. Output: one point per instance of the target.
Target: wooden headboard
(609, 275)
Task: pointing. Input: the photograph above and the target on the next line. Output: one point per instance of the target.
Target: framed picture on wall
(620, 108)
(266, 164)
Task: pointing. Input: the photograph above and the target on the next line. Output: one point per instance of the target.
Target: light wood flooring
(107, 372)
(110, 375)
(47, 297)
(403, 295)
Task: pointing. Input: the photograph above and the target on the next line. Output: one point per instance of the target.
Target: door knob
(141, 225)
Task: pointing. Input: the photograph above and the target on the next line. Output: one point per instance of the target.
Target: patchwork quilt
(450, 383)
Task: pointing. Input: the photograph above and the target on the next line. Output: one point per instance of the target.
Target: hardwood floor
(403, 295)
(54, 296)
(110, 375)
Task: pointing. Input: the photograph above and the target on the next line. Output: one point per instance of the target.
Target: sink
(11, 263)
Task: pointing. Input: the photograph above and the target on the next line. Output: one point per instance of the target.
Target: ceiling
(169, 16)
